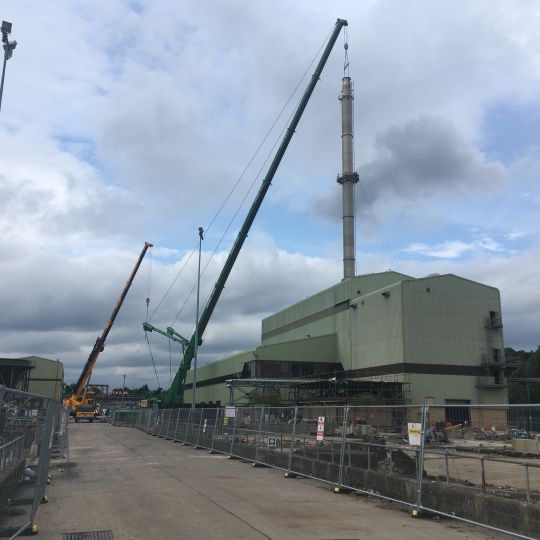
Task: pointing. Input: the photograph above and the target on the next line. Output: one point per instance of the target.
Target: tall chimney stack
(348, 177)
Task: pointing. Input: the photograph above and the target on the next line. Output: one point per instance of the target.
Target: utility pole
(124, 381)
(196, 345)
(9, 47)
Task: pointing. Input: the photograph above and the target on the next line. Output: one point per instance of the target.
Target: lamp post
(9, 47)
(196, 344)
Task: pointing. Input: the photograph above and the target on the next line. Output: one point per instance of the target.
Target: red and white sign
(320, 428)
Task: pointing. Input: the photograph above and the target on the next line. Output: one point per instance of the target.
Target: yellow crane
(82, 393)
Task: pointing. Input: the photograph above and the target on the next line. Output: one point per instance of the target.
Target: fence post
(259, 436)
(339, 488)
(420, 463)
(527, 486)
(176, 425)
(199, 428)
(234, 431)
(166, 422)
(188, 425)
(446, 464)
(44, 458)
(161, 422)
(288, 474)
(214, 430)
(483, 473)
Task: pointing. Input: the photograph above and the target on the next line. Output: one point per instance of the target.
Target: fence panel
(482, 465)
(382, 452)
(31, 428)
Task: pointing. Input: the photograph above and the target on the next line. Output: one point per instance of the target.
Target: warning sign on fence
(272, 442)
(320, 428)
(415, 433)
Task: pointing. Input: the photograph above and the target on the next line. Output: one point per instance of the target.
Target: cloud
(453, 249)
(123, 124)
(515, 235)
(423, 158)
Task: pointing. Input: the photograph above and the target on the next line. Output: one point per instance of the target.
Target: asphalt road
(142, 487)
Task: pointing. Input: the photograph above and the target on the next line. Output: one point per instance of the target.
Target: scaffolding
(334, 388)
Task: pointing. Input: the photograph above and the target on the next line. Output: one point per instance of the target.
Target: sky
(124, 122)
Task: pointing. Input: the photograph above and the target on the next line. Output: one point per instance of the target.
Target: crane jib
(177, 387)
(99, 345)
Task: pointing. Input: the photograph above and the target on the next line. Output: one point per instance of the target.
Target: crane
(78, 395)
(170, 333)
(176, 390)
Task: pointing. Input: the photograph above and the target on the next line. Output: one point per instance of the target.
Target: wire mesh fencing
(32, 429)
(479, 464)
(483, 465)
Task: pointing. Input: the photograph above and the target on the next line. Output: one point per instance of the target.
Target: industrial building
(383, 337)
(437, 339)
(33, 374)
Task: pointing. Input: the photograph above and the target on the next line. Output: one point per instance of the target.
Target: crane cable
(148, 289)
(379, 228)
(226, 230)
(152, 357)
(170, 362)
(148, 282)
(346, 47)
(237, 182)
(270, 153)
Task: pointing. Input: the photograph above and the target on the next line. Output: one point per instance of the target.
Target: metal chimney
(348, 177)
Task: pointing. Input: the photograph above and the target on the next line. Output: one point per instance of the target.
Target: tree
(522, 392)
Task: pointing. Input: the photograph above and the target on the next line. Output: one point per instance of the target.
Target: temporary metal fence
(32, 429)
(478, 464)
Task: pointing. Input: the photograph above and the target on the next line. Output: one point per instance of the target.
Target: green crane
(170, 333)
(176, 390)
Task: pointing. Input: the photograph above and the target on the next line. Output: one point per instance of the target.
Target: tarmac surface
(142, 487)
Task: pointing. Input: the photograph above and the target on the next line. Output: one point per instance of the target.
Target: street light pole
(196, 345)
(9, 47)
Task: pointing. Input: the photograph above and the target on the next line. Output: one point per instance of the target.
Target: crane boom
(99, 345)
(176, 391)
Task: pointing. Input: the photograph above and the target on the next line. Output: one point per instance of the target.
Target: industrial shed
(33, 374)
(437, 339)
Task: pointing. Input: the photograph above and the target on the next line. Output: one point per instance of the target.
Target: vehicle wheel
(91, 420)
(76, 419)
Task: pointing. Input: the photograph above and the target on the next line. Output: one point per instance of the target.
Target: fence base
(342, 490)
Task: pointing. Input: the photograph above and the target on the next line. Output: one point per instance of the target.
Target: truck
(85, 412)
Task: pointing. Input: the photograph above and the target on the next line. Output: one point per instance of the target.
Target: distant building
(33, 374)
(435, 339)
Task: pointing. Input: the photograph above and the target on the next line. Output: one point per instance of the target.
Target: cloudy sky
(129, 121)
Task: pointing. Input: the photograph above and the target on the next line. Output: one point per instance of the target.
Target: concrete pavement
(142, 487)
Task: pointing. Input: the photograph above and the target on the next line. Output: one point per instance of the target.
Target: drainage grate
(92, 535)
